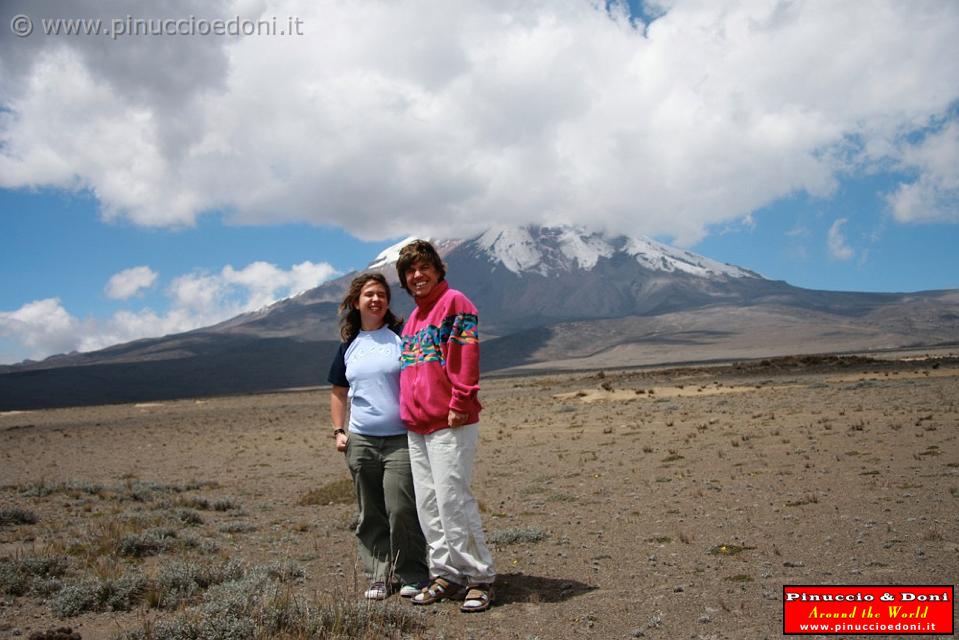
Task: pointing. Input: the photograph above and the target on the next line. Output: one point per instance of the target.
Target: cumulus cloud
(44, 327)
(934, 195)
(240, 290)
(443, 118)
(129, 282)
(836, 241)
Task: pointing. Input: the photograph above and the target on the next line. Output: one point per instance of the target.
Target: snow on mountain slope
(546, 250)
(388, 256)
(655, 255)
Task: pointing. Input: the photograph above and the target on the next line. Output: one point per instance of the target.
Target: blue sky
(147, 188)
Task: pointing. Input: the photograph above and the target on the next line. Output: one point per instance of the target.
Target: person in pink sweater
(439, 383)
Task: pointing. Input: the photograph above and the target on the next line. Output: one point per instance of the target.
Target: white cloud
(307, 275)
(838, 248)
(934, 195)
(45, 327)
(239, 290)
(129, 282)
(414, 117)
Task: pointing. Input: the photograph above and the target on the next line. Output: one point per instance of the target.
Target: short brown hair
(350, 315)
(416, 251)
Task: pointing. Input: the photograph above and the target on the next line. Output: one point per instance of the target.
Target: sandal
(439, 589)
(377, 591)
(411, 589)
(478, 598)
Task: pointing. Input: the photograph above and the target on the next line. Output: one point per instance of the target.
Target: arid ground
(656, 503)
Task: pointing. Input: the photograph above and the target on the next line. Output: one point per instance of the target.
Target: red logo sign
(868, 609)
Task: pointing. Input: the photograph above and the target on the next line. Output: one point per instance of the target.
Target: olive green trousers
(390, 541)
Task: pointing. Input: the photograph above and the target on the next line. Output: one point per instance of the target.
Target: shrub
(188, 516)
(225, 504)
(42, 489)
(75, 599)
(281, 570)
(37, 575)
(194, 502)
(255, 607)
(181, 581)
(100, 595)
(148, 543)
(131, 489)
(143, 491)
(516, 535)
(237, 527)
(100, 538)
(15, 515)
(60, 633)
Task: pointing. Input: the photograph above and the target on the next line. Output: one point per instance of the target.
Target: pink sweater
(440, 361)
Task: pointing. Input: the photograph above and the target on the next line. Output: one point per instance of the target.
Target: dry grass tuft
(336, 492)
(15, 515)
(729, 549)
(807, 499)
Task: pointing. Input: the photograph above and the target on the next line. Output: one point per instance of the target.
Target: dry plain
(656, 503)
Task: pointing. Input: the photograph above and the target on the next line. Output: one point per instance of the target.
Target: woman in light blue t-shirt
(365, 375)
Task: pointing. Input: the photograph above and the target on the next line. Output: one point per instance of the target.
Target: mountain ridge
(545, 294)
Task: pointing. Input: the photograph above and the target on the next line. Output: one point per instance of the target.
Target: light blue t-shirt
(373, 371)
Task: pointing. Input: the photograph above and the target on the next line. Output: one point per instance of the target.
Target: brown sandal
(478, 598)
(439, 589)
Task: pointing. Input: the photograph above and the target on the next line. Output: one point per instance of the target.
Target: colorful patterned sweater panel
(427, 344)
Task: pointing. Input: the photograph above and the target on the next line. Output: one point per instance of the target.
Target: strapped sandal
(478, 598)
(411, 589)
(377, 591)
(439, 589)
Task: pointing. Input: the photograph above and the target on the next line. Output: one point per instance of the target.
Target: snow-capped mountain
(553, 250)
(526, 276)
(523, 277)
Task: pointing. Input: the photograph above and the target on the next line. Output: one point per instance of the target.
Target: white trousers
(442, 464)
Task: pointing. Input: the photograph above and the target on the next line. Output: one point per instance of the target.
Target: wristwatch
(338, 431)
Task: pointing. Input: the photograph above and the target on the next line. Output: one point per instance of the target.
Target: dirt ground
(671, 503)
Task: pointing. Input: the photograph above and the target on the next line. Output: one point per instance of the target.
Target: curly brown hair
(350, 323)
(414, 252)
